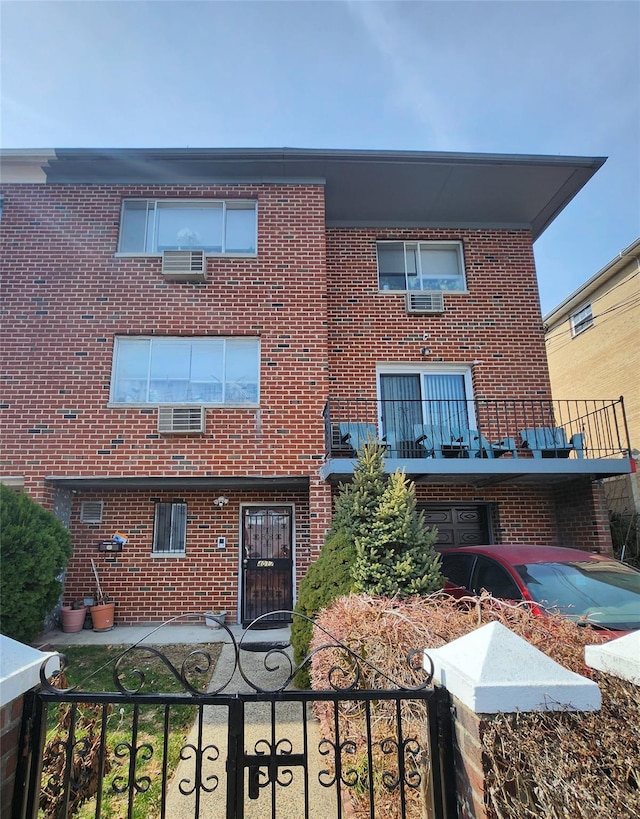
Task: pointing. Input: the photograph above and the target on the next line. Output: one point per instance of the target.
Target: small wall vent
(184, 265)
(91, 511)
(418, 302)
(181, 420)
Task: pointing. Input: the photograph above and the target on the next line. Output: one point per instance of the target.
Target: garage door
(460, 525)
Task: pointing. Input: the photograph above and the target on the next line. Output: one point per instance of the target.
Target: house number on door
(265, 564)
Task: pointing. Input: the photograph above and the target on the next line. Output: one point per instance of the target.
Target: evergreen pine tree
(394, 553)
(330, 576)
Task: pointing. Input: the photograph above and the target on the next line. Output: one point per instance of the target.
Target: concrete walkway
(162, 634)
(288, 729)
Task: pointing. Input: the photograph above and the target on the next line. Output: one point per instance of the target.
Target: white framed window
(170, 528)
(153, 225)
(412, 396)
(421, 266)
(176, 370)
(581, 320)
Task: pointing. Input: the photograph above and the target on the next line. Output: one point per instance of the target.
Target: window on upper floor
(420, 266)
(581, 320)
(170, 529)
(154, 225)
(175, 370)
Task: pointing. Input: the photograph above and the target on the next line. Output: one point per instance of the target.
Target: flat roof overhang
(362, 188)
(486, 472)
(179, 482)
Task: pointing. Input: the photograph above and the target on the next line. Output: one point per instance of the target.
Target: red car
(584, 586)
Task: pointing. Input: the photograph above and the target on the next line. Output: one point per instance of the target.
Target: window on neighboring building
(428, 396)
(170, 528)
(420, 266)
(581, 320)
(154, 225)
(173, 370)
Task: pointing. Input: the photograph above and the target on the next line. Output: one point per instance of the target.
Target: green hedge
(34, 549)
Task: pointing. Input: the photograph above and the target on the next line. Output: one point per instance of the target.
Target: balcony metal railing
(480, 428)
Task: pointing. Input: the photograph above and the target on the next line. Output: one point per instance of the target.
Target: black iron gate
(364, 745)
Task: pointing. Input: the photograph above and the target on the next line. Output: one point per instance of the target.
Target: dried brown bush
(89, 761)
(549, 764)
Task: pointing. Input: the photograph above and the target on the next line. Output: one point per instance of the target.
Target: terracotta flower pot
(102, 616)
(73, 619)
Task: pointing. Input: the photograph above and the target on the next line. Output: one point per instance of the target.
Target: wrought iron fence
(258, 747)
(484, 428)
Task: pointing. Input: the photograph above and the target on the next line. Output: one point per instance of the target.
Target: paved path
(289, 725)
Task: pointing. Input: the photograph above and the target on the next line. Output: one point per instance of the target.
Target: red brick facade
(311, 296)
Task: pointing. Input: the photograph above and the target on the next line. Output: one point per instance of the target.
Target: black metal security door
(267, 564)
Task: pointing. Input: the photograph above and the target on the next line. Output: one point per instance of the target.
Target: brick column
(20, 673)
(10, 721)
(491, 671)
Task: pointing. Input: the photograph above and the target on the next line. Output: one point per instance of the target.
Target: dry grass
(564, 765)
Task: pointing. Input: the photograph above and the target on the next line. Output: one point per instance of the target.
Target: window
(581, 320)
(170, 528)
(420, 266)
(154, 225)
(435, 398)
(174, 370)
(489, 575)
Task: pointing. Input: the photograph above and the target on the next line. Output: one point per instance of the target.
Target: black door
(267, 565)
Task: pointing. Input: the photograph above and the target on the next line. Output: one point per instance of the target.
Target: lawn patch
(121, 750)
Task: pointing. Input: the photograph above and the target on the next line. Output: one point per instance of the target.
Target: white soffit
(492, 670)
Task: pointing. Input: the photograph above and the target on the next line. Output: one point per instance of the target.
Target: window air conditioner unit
(181, 420)
(184, 265)
(418, 302)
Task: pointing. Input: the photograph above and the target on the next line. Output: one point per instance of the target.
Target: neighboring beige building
(593, 347)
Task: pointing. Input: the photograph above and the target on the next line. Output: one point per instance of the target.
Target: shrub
(394, 552)
(34, 550)
(569, 764)
(329, 576)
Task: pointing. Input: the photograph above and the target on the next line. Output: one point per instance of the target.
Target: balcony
(481, 442)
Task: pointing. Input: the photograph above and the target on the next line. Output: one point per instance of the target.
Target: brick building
(196, 342)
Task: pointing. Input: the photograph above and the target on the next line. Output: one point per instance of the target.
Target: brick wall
(497, 324)
(469, 760)
(68, 295)
(10, 719)
(148, 588)
(311, 296)
(582, 514)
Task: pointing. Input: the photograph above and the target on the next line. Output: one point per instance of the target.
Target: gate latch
(254, 787)
(271, 762)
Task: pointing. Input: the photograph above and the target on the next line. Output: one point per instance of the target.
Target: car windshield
(603, 593)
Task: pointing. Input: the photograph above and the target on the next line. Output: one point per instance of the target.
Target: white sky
(538, 77)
